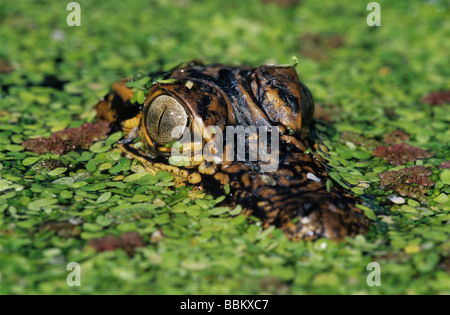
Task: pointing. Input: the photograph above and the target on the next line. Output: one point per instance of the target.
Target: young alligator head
(261, 117)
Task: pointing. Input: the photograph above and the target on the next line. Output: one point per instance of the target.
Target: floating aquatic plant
(437, 98)
(359, 139)
(411, 181)
(5, 67)
(127, 242)
(401, 153)
(69, 139)
(395, 137)
(317, 46)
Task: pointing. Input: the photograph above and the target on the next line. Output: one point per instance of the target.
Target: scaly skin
(291, 197)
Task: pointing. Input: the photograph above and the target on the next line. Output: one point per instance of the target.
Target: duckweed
(133, 232)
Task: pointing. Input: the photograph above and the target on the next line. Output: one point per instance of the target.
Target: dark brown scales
(293, 197)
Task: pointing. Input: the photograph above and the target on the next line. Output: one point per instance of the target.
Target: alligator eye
(166, 120)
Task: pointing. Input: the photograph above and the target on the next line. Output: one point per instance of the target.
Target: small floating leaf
(134, 177)
(219, 210)
(57, 171)
(104, 197)
(30, 160)
(369, 212)
(167, 81)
